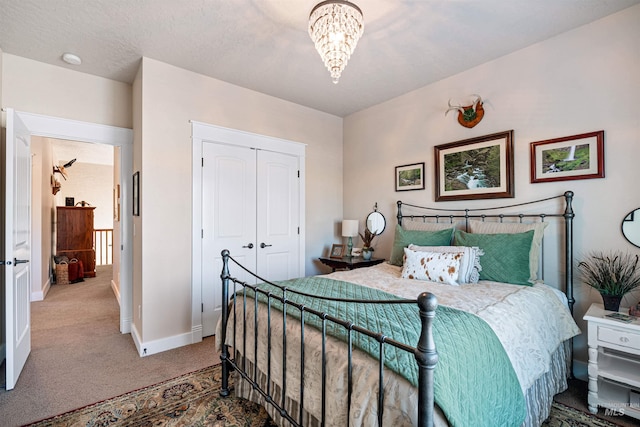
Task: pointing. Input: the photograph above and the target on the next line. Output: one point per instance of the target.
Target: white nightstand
(614, 363)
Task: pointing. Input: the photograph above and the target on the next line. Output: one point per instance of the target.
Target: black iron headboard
(451, 215)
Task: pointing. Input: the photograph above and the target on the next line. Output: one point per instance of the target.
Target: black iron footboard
(241, 293)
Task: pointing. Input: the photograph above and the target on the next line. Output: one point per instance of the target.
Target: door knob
(20, 261)
(264, 245)
(250, 246)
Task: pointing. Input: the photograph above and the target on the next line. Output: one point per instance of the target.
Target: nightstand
(349, 263)
(614, 363)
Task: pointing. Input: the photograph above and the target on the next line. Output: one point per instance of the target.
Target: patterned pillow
(432, 266)
(487, 227)
(419, 224)
(506, 256)
(469, 263)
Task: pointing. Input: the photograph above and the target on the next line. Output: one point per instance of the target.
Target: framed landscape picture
(476, 168)
(410, 177)
(571, 157)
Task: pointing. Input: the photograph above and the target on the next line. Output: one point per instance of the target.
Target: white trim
(222, 135)
(39, 295)
(158, 346)
(54, 127)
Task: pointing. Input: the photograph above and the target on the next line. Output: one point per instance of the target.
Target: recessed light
(71, 58)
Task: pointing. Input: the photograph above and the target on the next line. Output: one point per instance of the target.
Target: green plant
(367, 238)
(611, 274)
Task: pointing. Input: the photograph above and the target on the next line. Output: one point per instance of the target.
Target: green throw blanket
(475, 384)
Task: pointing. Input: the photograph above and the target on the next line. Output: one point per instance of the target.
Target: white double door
(250, 206)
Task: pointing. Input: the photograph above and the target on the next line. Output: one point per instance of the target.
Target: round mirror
(631, 227)
(376, 222)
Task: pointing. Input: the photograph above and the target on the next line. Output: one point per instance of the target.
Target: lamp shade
(349, 227)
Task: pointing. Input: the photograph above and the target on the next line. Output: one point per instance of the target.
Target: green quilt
(475, 384)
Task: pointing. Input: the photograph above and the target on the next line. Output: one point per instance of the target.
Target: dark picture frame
(410, 177)
(337, 251)
(136, 194)
(475, 168)
(568, 158)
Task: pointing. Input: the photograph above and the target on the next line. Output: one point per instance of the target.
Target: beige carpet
(79, 357)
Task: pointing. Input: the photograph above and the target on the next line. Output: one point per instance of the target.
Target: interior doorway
(100, 139)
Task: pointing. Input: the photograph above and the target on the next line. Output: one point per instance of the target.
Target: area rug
(566, 416)
(189, 400)
(193, 400)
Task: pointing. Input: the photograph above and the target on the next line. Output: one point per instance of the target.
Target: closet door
(228, 220)
(278, 222)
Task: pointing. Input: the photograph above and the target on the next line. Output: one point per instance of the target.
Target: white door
(17, 249)
(228, 220)
(278, 216)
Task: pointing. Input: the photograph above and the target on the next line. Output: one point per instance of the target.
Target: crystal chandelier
(335, 26)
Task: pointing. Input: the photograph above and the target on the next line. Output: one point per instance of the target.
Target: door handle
(264, 245)
(250, 246)
(20, 261)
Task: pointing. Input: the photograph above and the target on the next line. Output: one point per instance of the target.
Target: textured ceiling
(264, 45)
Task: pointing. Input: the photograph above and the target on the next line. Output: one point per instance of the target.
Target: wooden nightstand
(349, 263)
(614, 363)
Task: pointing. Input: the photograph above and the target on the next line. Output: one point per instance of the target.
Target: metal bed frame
(425, 351)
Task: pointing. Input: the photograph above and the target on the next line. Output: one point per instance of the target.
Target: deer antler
(454, 107)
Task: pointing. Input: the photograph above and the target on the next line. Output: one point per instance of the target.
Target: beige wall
(170, 98)
(40, 88)
(581, 81)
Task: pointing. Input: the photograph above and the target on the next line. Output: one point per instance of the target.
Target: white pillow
(432, 266)
(488, 227)
(470, 267)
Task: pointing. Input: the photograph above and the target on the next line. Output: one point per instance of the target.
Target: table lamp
(350, 230)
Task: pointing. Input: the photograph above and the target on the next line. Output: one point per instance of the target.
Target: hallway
(78, 356)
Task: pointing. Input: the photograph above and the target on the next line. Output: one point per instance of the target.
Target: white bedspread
(530, 321)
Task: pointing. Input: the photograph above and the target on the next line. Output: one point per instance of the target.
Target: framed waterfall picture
(571, 157)
(476, 168)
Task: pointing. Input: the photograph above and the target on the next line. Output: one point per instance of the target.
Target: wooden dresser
(74, 236)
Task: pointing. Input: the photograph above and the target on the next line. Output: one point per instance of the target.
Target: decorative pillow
(404, 238)
(483, 227)
(432, 266)
(506, 256)
(419, 224)
(469, 263)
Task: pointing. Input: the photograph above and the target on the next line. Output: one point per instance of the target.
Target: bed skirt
(539, 397)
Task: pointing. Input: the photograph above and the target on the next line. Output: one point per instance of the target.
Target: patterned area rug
(189, 400)
(193, 400)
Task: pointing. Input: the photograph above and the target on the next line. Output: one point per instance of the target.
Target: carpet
(193, 400)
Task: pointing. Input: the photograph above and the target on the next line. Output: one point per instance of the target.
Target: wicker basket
(62, 273)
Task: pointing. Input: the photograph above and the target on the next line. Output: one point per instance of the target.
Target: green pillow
(506, 256)
(404, 238)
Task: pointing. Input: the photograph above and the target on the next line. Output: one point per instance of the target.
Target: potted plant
(612, 274)
(367, 238)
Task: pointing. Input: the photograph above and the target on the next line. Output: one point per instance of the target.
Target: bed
(461, 327)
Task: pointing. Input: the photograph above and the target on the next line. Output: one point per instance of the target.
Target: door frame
(59, 128)
(204, 132)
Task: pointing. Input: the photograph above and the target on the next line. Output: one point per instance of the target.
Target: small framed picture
(571, 157)
(337, 251)
(410, 177)
(69, 201)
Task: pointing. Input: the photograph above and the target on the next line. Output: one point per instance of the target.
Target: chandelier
(335, 26)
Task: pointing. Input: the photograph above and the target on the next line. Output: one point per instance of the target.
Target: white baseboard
(116, 292)
(41, 294)
(158, 346)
